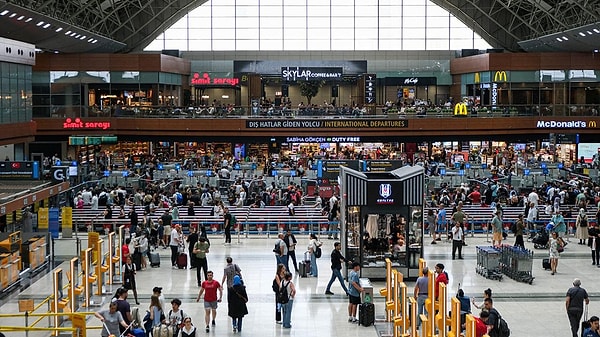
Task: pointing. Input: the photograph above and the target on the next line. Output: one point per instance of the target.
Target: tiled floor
(530, 310)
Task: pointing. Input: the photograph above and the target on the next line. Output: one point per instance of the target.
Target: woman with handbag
(556, 247)
(237, 299)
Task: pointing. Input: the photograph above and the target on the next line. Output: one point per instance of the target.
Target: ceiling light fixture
(73, 34)
(83, 37)
(59, 29)
(40, 23)
(4, 12)
(46, 26)
(90, 40)
(582, 33)
(596, 30)
(565, 38)
(21, 17)
(29, 19)
(12, 15)
(68, 32)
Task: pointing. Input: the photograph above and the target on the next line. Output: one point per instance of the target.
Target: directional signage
(370, 97)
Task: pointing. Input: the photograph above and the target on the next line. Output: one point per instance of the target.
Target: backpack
(103, 200)
(233, 220)
(502, 328)
(282, 294)
(276, 249)
(318, 252)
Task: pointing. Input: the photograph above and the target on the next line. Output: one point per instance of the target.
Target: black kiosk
(381, 216)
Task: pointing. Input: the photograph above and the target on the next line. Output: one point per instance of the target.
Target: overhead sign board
(19, 170)
(293, 74)
(327, 124)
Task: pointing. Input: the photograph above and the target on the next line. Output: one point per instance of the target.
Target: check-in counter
(10, 259)
(33, 250)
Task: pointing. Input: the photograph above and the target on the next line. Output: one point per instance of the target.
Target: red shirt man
(480, 327)
(441, 277)
(475, 196)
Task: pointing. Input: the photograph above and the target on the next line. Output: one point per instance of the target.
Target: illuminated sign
(325, 124)
(384, 193)
(19, 170)
(411, 80)
(564, 124)
(592, 124)
(494, 94)
(207, 80)
(500, 76)
(370, 88)
(77, 123)
(460, 109)
(322, 140)
(311, 73)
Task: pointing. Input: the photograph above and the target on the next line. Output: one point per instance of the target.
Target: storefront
(414, 91)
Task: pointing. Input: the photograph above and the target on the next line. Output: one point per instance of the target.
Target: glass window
(176, 34)
(294, 44)
(176, 44)
(244, 22)
(222, 11)
(366, 33)
(366, 9)
(343, 10)
(369, 22)
(414, 21)
(296, 33)
(340, 44)
(294, 22)
(342, 22)
(319, 44)
(246, 34)
(437, 44)
(390, 11)
(247, 44)
(270, 22)
(200, 44)
(223, 44)
(414, 33)
(271, 44)
(318, 33)
(317, 22)
(438, 33)
(337, 34)
(274, 11)
(385, 22)
(200, 33)
(223, 33)
(414, 44)
(271, 33)
(317, 11)
(294, 11)
(365, 44)
(242, 10)
(390, 44)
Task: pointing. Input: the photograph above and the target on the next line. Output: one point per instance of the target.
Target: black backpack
(282, 294)
(318, 252)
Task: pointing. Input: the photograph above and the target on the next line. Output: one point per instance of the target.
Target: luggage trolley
(517, 263)
(488, 262)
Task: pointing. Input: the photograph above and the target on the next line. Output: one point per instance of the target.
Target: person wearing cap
(594, 329)
(497, 229)
(354, 290)
(520, 226)
(576, 296)
(421, 293)
(158, 292)
(236, 303)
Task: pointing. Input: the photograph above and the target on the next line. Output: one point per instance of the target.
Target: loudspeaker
(285, 90)
(334, 91)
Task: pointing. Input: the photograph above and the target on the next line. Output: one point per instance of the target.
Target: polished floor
(530, 310)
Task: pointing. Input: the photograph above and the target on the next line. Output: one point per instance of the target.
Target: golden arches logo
(477, 78)
(460, 109)
(500, 76)
(592, 124)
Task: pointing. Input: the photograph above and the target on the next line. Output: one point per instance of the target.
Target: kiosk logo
(500, 76)
(460, 109)
(592, 124)
(385, 190)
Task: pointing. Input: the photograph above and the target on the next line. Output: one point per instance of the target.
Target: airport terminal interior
(346, 118)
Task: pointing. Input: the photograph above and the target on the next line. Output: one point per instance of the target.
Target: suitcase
(182, 261)
(154, 260)
(162, 330)
(546, 264)
(304, 268)
(366, 314)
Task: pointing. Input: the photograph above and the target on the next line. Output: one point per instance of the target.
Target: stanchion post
(413, 316)
(440, 318)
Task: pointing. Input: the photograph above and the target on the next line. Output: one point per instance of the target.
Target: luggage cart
(488, 262)
(517, 263)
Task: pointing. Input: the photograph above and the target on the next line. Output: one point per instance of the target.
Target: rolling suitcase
(154, 260)
(182, 261)
(303, 268)
(546, 264)
(366, 314)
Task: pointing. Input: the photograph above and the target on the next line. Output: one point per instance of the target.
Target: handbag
(585, 324)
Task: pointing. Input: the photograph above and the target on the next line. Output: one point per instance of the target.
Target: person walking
(421, 293)
(227, 223)
(457, 239)
(336, 268)
(176, 239)
(576, 297)
(594, 243)
(129, 277)
(313, 244)
(497, 229)
(354, 291)
(281, 251)
(191, 239)
(209, 290)
(581, 223)
(111, 320)
(520, 226)
(236, 303)
(555, 244)
(201, 248)
(230, 270)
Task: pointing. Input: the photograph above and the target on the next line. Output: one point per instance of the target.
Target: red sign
(79, 124)
(206, 80)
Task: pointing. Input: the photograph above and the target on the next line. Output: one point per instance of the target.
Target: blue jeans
(313, 265)
(237, 323)
(420, 304)
(336, 273)
(287, 313)
(283, 260)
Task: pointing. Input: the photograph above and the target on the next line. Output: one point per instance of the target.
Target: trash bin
(367, 295)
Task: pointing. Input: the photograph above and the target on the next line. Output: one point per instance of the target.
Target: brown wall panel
(425, 127)
(171, 64)
(470, 64)
(65, 62)
(98, 62)
(555, 61)
(112, 62)
(585, 61)
(124, 62)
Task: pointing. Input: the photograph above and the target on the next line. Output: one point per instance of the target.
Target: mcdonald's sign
(477, 78)
(592, 124)
(500, 76)
(460, 109)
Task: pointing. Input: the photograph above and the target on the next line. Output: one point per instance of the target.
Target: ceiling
(123, 26)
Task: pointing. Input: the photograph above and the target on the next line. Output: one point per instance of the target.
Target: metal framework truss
(133, 22)
(503, 23)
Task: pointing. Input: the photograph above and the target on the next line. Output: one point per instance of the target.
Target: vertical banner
(42, 216)
(67, 217)
(370, 97)
(53, 225)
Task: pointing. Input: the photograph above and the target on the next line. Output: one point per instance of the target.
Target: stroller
(541, 239)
